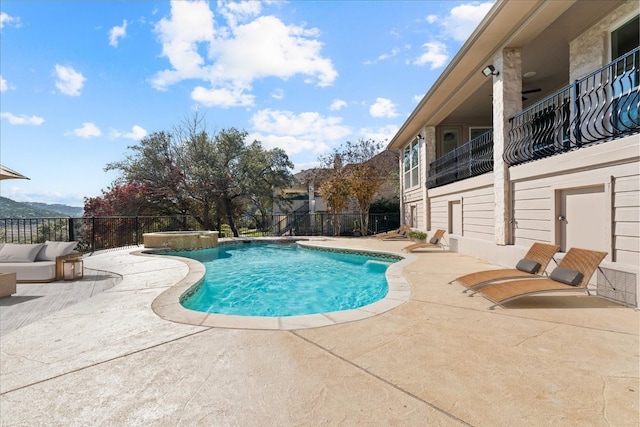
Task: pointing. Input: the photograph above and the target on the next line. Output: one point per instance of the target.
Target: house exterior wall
(504, 212)
(591, 50)
(613, 165)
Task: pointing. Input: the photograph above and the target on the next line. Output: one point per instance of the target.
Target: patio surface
(441, 358)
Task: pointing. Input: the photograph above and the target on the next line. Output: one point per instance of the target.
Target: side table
(7, 284)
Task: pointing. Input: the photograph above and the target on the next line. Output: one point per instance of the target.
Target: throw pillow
(433, 241)
(12, 252)
(528, 266)
(566, 275)
(52, 250)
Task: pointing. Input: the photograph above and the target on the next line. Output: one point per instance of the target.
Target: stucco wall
(591, 50)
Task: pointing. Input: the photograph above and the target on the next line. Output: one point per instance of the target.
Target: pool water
(269, 279)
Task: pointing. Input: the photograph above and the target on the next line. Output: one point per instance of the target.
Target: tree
(365, 175)
(353, 172)
(153, 164)
(334, 187)
(214, 178)
(129, 199)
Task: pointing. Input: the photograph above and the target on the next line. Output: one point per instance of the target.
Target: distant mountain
(12, 209)
(65, 210)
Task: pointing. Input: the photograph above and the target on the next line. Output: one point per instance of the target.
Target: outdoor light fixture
(419, 136)
(73, 269)
(490, 70)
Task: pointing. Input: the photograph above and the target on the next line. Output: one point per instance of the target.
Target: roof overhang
(509, 24)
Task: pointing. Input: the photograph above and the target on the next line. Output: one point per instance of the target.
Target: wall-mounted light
(419, 136)
(490, 70)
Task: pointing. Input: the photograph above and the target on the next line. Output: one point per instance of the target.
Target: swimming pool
(279, 280)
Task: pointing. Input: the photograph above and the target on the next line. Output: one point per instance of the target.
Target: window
(477, 131)
(450, 140)
(625, 39)
(411, 161)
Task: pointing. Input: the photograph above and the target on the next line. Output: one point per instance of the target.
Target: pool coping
(167, 305)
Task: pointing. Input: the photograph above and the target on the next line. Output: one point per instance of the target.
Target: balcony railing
(471, 159)
(600, 107)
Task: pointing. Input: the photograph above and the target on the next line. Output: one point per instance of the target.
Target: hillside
(65, 210)
(12, 209)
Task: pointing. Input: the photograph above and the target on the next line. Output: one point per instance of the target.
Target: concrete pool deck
(441, 358)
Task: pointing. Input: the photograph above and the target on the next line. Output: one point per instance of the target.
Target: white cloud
(432, 19)
(223, 97)
(277, 93)
(239, 12)
(6, 19)
(417, 98)
(116, 33)
(236, 55)
(137, 133)
(383, 107)
(190, 24)
(22, 119)
(395, 51)
(69, 81)
(88, 130)
(337, 105)
(383, 134)
(463, 19)
(435, 54)
(296, 133)
(3, 84)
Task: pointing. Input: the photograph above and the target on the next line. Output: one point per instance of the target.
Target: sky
(81, 81)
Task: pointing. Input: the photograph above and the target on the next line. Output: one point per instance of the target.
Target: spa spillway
(180, 240)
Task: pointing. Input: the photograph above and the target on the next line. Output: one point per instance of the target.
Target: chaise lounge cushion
(17, 253)
(52, 250)
(528, 266)
(566, 276)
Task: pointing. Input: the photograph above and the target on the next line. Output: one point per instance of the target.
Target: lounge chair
(533, 265)
(434, 242)
(572, 274)
(401, 233)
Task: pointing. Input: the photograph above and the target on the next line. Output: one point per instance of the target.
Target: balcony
(471, 159)
(600, 107)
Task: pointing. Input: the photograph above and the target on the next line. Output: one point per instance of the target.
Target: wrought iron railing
(471, 159)
(97, 233)
(600, 107)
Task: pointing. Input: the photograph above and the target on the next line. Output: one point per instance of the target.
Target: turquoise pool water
(270, 279)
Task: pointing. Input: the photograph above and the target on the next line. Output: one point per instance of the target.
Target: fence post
(577, 131)
(71, 233)
(93, 234)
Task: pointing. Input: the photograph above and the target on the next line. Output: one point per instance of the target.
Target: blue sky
(80, 81)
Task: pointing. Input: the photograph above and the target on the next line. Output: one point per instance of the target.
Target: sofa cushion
(52, 250)
(31, 272)
(528, 266)
(12, 252)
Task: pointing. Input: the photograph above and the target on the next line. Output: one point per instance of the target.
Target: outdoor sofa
(39, 262)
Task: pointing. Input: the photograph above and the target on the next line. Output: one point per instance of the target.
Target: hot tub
(180, 240)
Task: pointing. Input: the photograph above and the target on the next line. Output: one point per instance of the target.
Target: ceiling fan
(530, 91)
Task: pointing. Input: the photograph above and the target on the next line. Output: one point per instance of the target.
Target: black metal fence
(96, 233)
(600, 107)
(471, 159)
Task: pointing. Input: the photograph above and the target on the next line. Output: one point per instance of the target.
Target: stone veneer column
(507, 101)
(429, 156)
(401, 179)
